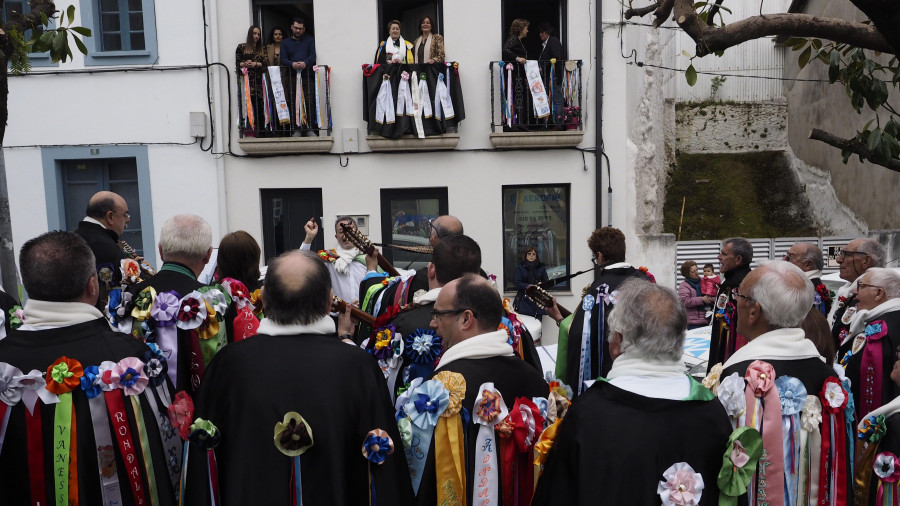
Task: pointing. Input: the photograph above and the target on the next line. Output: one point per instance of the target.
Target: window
(405, 216)
(538, 216)
(73, 175)
(22, 6)
(124, 32)
(271, 14)
(537, 12)
(284, 212)
(409, 13)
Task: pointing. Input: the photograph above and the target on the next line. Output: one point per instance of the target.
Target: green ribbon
(562, 348)
(145, 449)
(62, 430)
(699, 392)
(178, 268)
(733, 480)
(60, 372)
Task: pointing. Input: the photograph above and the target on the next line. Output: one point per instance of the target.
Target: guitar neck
(340, 306)
(386, 266)
(563, 311)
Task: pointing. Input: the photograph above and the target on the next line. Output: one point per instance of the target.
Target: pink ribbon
(871, 371)
(769, 481)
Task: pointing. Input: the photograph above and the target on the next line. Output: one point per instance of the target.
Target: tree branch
(852, 146)
(641, 11)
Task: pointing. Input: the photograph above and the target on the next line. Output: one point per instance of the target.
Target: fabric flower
(811, 417)
(210, 327)
(191, 312)
(382, 342)
(64, 375)
(886, 467)
(488, 408)
(404, 395)
(876, 329)
(16, 317)
(217, 300)
(427, 404)
(834, 398)
(873, 429)
(792, 394)
(143, 303)
(155, 364)
(505, 428)
(732, 395)
(165, 308)
(128, 374)
(405, 426)
(455, 384)
(557, 405)
(738, 464)
(711, 381)
(377, 446)
(181, 414)
(91, 381)
(293, 436)
(204, 434)
(760, 377)
(257, 302)
(238, 291)
(124, 308)
(10, 389)
(131, 270)
(682, 486)
(423, 346)
(527, 423)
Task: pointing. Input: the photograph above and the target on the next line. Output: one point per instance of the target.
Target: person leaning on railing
(429, 46)
(249, 55)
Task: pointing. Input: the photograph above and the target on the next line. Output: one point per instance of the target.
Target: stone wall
(730, 127)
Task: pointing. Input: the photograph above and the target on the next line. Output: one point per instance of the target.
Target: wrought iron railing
(549, 99)
(270, 104)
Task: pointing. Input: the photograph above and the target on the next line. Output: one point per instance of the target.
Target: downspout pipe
(598, 113)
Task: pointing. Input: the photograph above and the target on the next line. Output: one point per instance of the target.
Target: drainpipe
(220, 118)
(598, 113)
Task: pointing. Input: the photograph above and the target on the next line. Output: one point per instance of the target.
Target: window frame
(35, 59)
(90, 18)
(389, 195)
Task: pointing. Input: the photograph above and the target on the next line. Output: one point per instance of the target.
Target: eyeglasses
(787, 257)
(844, 253)
(860, 286)
(125, 215)
(435, 313)
(737, 293)
(433, 228)
(594, 260)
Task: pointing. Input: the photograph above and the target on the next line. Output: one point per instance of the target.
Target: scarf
(342, 264)
(427, 47)
(813, 274)
(390, 50)
(428, 297)
(42, 314)
(695, 283)
(491, 344)
(629, 365)
(530, 268)
(863, 316)
(322, 326)
(778, 344)
(845, 291)
(649, 378)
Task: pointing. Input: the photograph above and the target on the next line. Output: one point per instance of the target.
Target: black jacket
(105, 245)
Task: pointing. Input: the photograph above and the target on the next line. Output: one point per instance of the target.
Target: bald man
(808, 257)
(106, 217)
(298, 364)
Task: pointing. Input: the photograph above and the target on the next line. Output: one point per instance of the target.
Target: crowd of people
(124, 385)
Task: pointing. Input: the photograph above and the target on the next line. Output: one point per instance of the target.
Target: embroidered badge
(588, 302)
(721, 301)
(858, 343)
(848, 315)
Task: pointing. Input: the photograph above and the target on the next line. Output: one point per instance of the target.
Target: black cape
(723, 341)
(90, 343)
(105, 245)
(613, 447)
(337, 388)
(840, 329)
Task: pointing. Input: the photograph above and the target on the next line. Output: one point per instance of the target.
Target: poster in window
(536, 216)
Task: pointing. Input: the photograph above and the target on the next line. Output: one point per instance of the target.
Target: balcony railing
(271, 105)
(547, 100)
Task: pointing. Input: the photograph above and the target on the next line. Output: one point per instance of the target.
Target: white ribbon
(417, 106)
(486, 484)
(425, 99)
(538, 93)
(167, 340)
(443, 106)
(404, 97)
(106, 454)
(586, 305)
(321, 91)
(384, 103)
(281, 106)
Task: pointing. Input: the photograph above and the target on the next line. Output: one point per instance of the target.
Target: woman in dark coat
(251, 55)
(530, 272)
(514, 53)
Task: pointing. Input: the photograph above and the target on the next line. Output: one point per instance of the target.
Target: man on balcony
(551, 49)
(299, 53)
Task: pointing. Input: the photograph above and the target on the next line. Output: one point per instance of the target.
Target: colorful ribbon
(764, 411)
(449, 443)
(871, 368)
(424, 407)
(488, 411)
(833, 467)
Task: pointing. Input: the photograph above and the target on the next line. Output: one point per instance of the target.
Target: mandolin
(146, 270)
(339, 306)
(365, 245)
(543, 298)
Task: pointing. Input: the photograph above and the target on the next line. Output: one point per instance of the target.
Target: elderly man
(466, 315)
(583, 349)
(772, 302)
(808, 257)
(645, 417)
(298, 367)
(858, 256)
(346, 264)
(105, 220)
(734, 264)
(44, 459)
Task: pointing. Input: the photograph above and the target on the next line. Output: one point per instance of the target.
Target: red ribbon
(507, 468)
(527, 425)
(36, 455)
(115, 405)
(833, 467)
(213, 475)
(245, 324)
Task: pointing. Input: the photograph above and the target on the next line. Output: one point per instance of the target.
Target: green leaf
(874, 140)
(44, 20)
(723, 8)
(816, 44)
(804, 57)
(699, 4)
(70, 12)
(81, 30)
(720, 53)
(80, 45)
(691, 75)
(866, 128)
(684, 52)
(892, 146)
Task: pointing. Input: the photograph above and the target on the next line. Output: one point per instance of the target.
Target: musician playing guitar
(346, 263)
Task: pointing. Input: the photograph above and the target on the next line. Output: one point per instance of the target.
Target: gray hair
(813, 253)
(186, 236)
(341, 218)
(887, 279)
(874, 250)
(742, 247)
(784, 293)
(651, 320)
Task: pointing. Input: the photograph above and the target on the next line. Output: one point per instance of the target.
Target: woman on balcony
(250, 60)
(394, 49)
(273, 48)
(429, 47)
(514, 53)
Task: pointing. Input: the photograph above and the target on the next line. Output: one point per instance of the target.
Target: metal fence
(512, 105)
(266, 109)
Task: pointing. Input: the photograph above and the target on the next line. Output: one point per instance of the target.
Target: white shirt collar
(92, 220)
(324, 325)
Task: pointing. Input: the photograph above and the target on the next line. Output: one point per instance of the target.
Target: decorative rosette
(682, 486)
(123, 310)
(238, 291)
(91, 381)
(811, 417)
(293, 436)
(792, 394)
(489, 407)
(427, 403)
(256, 302)
(381, 338)
(191, 311)
(105, 275)
(204, 434)
(16, 317)
(217, 299)
(732, 395)
(545, 442)
(10, 390)
(131, 270)
(329, 255)
(143, 302)
(127, 374)
(557, 405)
(876, 329)
(105, 369)
(455, 384)
(833, 395)
(543, 407)
(115, 300)
(404, 75)
(155, 364)
(505, 428)
(377, 446)
(405, 394)
(64, 375)
(210, 327)
(760, 377)
(527, 423)
(181, 414)
(423, 346)
(886, 467)
(165, 308)
(711, 381)
(738, 464)
(872, 429)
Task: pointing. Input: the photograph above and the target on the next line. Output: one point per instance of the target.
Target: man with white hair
(808, 257)
(627, 430)
(858, 256)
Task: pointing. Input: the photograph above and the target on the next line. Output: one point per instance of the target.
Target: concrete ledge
(532, 140)
(285, 145)
(410, 143)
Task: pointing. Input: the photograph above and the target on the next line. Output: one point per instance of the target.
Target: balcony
(412, 107)
(275, 116)
(541, 110)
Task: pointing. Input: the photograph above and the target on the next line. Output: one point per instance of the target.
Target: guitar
(339, 306)
(365, 245)
(543, 298)
(146, 270)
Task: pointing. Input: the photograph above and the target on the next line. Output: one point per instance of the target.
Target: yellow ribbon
(449, 461)
(542, 448)
(142, 314)
(210, 328)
